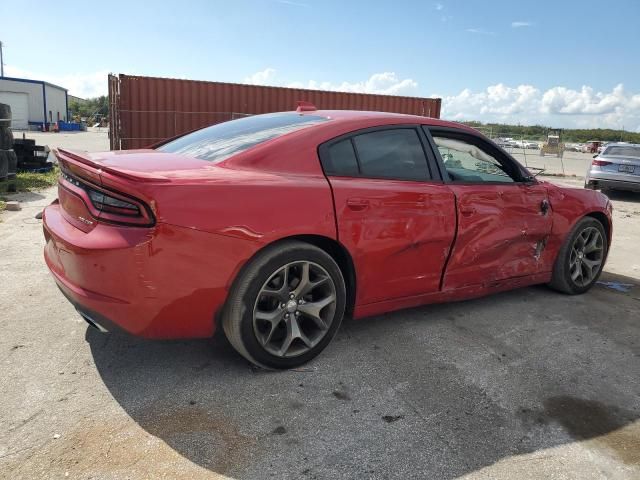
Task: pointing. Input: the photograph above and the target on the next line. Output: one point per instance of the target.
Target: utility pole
(1, 62)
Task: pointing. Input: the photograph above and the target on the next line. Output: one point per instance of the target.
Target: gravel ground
(524, 384)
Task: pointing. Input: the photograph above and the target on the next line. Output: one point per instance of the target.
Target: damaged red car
(274, 227)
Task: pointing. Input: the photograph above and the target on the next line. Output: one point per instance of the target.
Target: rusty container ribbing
(146, 110)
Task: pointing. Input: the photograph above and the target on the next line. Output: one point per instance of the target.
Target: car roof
(622, 144)
(355, 116)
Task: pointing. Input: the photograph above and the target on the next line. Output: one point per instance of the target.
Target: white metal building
(33, 102)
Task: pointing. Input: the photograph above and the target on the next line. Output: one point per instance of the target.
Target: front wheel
(286, 305)
(581, 258)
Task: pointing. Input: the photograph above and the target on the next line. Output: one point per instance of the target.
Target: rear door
(394, 214)
(504, 217)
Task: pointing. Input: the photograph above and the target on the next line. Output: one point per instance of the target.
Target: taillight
(107, 203)
(109, 206)
(600, 163)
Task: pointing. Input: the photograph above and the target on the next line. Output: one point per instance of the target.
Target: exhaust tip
(92, 322)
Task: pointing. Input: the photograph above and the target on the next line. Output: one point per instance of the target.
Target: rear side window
(221, 141)
(341, 160)
(394, 154)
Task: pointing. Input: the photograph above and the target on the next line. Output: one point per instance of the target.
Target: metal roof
(29, 80)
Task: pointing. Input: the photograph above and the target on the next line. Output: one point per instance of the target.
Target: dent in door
(501, 234)
(400, 242)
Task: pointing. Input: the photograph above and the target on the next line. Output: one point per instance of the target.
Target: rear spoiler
(82, 161)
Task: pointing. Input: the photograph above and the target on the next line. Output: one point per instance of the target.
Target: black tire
(5, 115)
(561, 278)
(12, 161)
(6, 138)
(237, 317)
(4, 165)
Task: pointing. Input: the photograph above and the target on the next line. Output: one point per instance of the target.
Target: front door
(397, 222)
(504, 218)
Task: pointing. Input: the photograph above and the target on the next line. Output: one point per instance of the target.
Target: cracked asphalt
(524, 384)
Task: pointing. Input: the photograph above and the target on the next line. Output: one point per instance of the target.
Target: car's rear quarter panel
(161, 282)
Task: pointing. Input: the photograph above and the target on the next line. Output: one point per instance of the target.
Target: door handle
(467, 210)
(357, 204)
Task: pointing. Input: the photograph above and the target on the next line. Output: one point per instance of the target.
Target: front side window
(394, 154)
(221, 141)
(466, 162)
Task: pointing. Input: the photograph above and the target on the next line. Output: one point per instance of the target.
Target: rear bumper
(96, 320)
(160, 282)
(596, 181)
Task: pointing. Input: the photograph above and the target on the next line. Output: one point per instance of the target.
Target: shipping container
(146, 110)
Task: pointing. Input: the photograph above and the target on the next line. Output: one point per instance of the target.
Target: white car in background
(616, 168)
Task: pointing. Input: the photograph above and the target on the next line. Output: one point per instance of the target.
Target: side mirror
(595, 155)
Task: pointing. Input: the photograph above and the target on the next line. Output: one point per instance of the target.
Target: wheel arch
(342, 257)
(332, 247)
(604, 220)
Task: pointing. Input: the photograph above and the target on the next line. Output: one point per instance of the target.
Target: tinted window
(223, 140)
(341, 160)
(395, 154)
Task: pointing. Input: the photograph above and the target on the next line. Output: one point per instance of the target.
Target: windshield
(622, 151)
(220, 141)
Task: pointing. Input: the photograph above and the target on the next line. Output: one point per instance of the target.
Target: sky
(559, 63)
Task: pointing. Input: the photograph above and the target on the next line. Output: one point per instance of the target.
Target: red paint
(411, 242)
(400, 232)
(499, 227)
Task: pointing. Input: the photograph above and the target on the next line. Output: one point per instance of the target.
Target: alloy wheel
(586, 257)
(294, 309)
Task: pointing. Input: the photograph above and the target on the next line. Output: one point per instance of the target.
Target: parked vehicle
(531, 145)
(275, 226)
(616, 168)
(553, 145)
(573, 147)
(592, 146)
(507, 142)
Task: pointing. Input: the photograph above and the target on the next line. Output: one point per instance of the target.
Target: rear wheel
(286, 305)
(581, 258)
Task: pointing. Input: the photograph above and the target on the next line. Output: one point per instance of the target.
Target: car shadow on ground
(623, 196)
(432, 392)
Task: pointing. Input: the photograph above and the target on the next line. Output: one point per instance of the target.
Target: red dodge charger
(275, 226)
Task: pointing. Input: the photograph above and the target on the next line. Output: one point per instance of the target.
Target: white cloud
(387, 83)
(520, 24)
(438, 6)
(557, 106)
(80, 84)
(480, 31)
(263, 77)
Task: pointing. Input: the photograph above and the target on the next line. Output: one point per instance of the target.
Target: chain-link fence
(529, 151)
